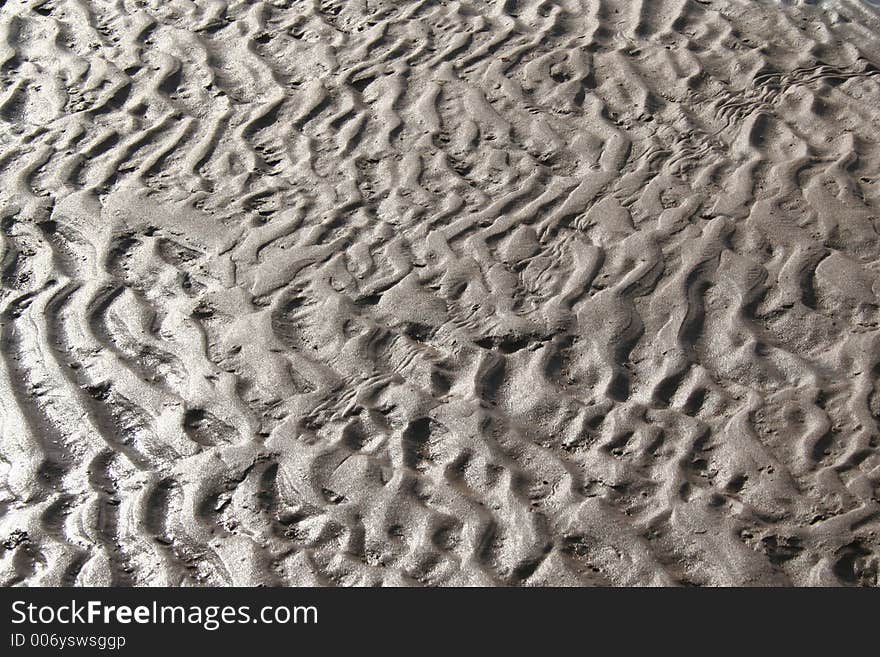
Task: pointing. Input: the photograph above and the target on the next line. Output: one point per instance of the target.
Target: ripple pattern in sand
(444, 293)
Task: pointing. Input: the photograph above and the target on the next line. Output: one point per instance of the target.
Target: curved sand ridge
(511, 292)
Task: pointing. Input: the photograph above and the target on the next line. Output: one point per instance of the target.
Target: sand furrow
(511, 292)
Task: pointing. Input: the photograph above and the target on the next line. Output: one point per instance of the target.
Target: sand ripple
(410, 292)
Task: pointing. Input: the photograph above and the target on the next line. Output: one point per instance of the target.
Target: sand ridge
(518, 292)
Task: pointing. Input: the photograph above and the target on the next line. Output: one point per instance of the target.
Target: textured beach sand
(520, 292)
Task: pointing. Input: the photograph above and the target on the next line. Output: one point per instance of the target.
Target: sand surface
(520, 292)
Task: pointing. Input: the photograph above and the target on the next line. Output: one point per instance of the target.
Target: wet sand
(517, 292)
